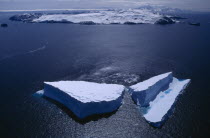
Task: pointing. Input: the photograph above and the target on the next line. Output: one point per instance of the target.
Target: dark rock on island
(52, 21)
(130, 23)
(87, 23)
(25, 17)
(177, 18)
(114, 23)
(165, 20)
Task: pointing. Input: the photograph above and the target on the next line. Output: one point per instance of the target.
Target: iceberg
(156, 97)
(144, 92)
(162, 107)
(85, 98)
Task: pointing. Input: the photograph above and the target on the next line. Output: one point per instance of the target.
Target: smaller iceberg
(156, 97)
(162, 107)
(144, 92)
(85, 98)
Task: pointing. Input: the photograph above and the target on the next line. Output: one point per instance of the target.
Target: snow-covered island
(157, 96)
(85, 98)
(141, 15)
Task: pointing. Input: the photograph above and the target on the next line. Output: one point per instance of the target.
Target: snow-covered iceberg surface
(144, 92)
(85, 98)
(162, 107)
(118, 16)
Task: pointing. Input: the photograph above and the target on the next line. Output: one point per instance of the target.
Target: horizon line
(47, 10)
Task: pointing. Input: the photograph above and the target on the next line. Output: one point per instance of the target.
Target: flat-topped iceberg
(85, 98)
(144, 92)
(156, 97)
(161, 108)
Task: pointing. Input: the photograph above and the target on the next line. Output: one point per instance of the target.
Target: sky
(195, 5)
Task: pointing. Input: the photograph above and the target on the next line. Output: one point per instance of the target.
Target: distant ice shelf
(85, 98)
(156, 97)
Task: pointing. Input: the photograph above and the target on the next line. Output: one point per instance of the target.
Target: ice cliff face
(85, 98)
(145, 92)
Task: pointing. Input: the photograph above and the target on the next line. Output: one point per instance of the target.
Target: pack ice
(85, 98)
(156, 97)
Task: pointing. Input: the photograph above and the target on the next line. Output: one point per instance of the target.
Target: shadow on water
(75, 118)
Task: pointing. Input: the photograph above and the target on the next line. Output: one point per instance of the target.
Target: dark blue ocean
(31, 53)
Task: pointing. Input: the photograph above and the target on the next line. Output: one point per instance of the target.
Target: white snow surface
(150, 82)
(164, 100)
(106, 16)
(89, 91)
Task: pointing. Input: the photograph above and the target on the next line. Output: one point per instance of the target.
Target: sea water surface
(31, 53)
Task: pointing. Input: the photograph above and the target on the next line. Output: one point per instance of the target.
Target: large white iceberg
(144, 92)
(161, 108)
(85, 98)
